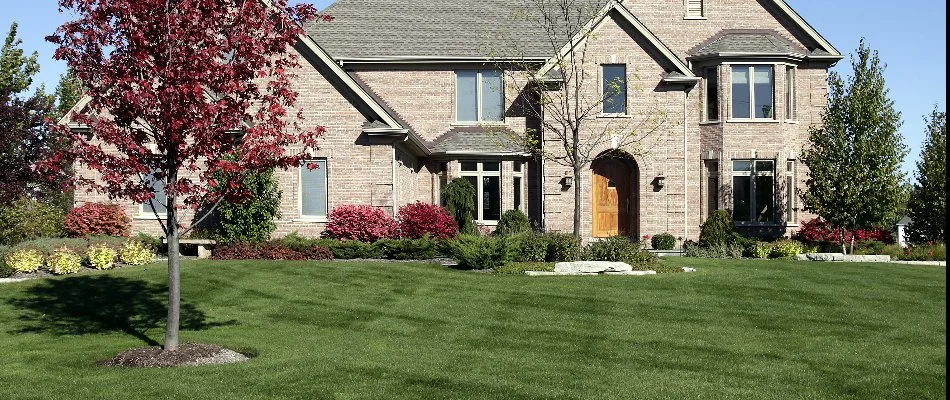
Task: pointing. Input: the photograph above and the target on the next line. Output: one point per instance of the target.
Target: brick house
(416, 93)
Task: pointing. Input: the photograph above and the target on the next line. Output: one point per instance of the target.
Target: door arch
(615, 186)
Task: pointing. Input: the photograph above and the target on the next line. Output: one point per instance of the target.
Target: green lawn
(734, 329)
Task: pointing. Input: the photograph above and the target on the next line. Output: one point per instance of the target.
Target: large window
(158, 203)
(517, 181)
(753, 190)
(752, 92)
(479, 96)
(486, 178)
(615, 88)
(313, 189)
(790, 93)
(712, 93)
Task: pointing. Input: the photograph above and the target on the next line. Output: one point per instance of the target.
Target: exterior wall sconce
(567, 181)
(660, 180)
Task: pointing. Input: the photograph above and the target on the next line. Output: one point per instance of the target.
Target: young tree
(854, 157)
(172, 93)
(928, 204)
(568, 102)
(16, 69)
(68, 92)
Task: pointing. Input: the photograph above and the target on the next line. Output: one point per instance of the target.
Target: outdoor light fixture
(568, 181)
(659, 180)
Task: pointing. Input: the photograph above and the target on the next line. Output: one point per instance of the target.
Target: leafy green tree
(928, 204)
(68, 92)
(459, 199)
(854, 156)
(16, 69)
(250, 220)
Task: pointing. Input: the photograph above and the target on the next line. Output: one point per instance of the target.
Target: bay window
(753, 92)
(753, 189)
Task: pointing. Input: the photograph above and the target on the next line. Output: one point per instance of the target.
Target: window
(313, 189)
(158, 204)
(790, 216)
(615, 88)
(790, 93)
(753, 189)
(712, 94)
(517, 185)
(479, 96)
(752, 94)
(712, 187)
(486, 178)
(695, 9)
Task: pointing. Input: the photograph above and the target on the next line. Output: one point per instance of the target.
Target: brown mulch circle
(185, 354)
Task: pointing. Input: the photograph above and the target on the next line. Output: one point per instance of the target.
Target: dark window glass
(474, 181)
(516, 190)
(742, 165)
(313, 189)
(764, 198)
(491, 198)
(712, 200)
(742, 194)
(615, 89)
(469, 166)
(765, 166)
(712, 94)
(517, 166)
(491, 166)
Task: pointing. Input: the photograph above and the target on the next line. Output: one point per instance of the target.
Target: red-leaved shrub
(269, 251)
(418, 219)
(97, 219)
(818, 230)
(363, 223)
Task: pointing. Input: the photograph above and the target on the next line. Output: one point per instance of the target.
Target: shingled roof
(476, 140)
(757, 43)
(433, 28)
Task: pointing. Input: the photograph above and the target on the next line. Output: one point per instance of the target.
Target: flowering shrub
(418, 219)
(25, 260)
(101, 255)
(64, 261)
(134, 252)
(269, 251)
(363, 223)
(97, 219)
(818, 230)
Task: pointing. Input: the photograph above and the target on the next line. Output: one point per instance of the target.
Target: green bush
(717, 229)
(533, 247)
(27, 219)
(518, 268)
(101, 256)
(562, 247)
(663, 241)
(866, 247)
(153, 242)
(616, 248)
(481, 252)
(424, 248)
(513, 222)
(746, 243)
(663, 268)
(722, 250)
(24, 260)
(786, 248)
(134, 252)
(353, 249)
(251, 220)
(761, 250)
(64, 261)
(5, 270)
(459, 200)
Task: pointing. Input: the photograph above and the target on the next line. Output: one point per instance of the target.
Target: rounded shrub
(24, 260)
(419, 219)
(64, 261)
(533, 247)
(360, 222)
(250, 219)
(27, 219)
(93, 219)
(101, 256)
(134, 252)
(663, 241)
(459, 199)
(717, 229)
(513, 222)
(614, 248)
(562, 247)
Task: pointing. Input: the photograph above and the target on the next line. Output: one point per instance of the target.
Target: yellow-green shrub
(787, 248)
(761, 250)
(63, 261)
(134, 252)
(25, 260)
(101, 256)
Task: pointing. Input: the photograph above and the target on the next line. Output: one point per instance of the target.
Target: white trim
(479, 174)
(791, 92)
(602, 95)
(751, 83)
(705, 115)
(478, 100)
(811, 32)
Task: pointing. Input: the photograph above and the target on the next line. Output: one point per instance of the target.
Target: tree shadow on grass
(102, 304)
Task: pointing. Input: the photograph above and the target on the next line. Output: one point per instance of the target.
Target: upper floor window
(790, 93)
(614, 88)
(479, 96)
(313, 189)
(753, 188)
(486, 178)
(752, 92)
(695, 9)
(712, 93)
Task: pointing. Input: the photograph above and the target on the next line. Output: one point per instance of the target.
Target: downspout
(394, 180)
(685, 166)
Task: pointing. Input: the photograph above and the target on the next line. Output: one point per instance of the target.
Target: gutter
(435, 60)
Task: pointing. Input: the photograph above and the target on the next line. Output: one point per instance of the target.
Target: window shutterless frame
(753, 182)
(711, 98)
(486, 177)
(790, 93)
(613, 89)
(313, 208)
(751, 99)
(479, 96)
(158, 203)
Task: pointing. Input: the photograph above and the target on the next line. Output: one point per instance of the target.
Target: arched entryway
(614, 196)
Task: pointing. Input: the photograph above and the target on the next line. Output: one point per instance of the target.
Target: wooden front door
(612, 191)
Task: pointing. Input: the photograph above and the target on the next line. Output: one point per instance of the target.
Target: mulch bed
(185, 354)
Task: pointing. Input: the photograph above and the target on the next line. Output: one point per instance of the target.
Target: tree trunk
(852, 244)
(577, 202)
(841, 240)
(174, 270)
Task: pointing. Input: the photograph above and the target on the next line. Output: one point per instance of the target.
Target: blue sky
(910, 35)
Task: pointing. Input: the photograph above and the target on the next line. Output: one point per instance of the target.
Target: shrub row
(66, 256)
(369, 224)
(269, 251)
(785, 248)
(484, 252)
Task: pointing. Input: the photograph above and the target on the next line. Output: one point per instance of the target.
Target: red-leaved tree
(180, 90)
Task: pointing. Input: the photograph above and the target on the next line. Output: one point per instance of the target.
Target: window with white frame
(753, 190)
(614, 88)
(313, 189)
(712, 93)
(712, 187)
(158, 204)
(753, 92)
(790, 93)
(790, 215)
(517, 183)
(695, 9)
(486, 178)
(479, 96)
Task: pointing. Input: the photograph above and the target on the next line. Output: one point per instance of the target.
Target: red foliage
(269, 251)
(360, 222)
(97, 219)
(168, 84)
(418, 219)
(818, 230)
